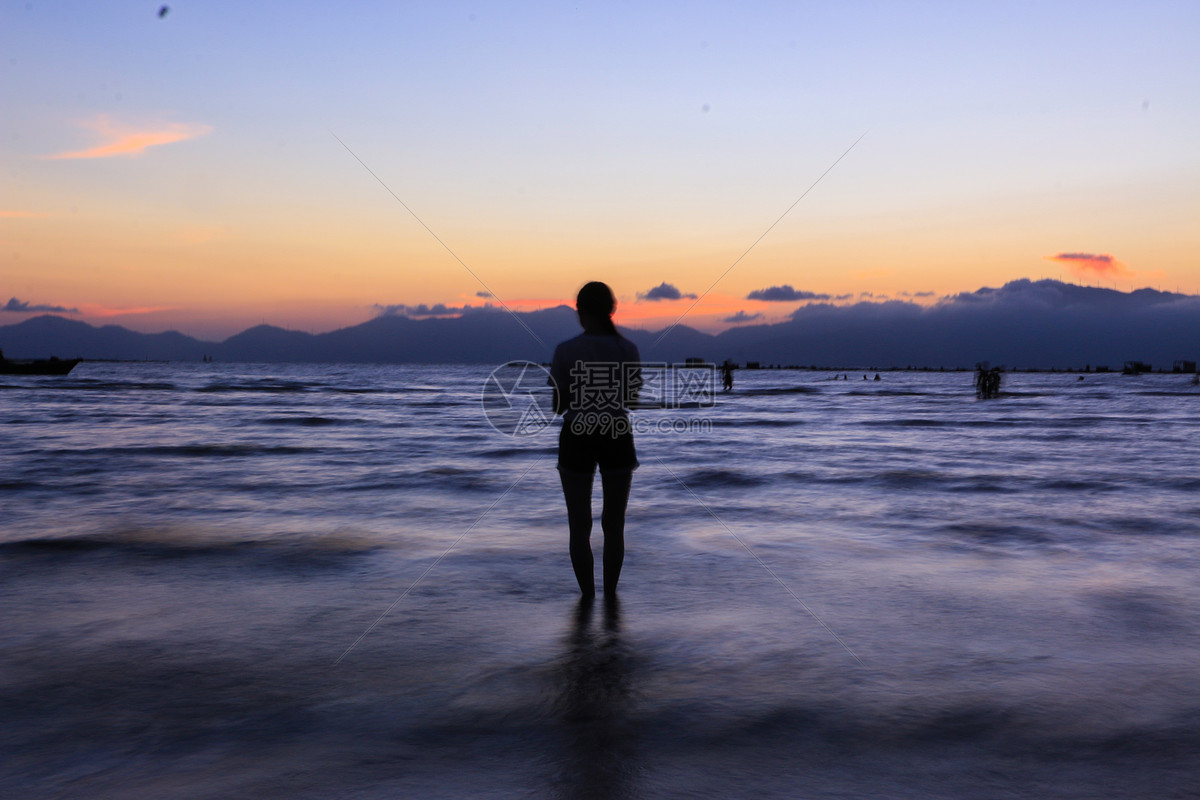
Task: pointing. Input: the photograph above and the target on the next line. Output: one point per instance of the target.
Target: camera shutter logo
(518, 399)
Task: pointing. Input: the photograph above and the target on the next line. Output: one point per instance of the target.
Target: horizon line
(863, 298)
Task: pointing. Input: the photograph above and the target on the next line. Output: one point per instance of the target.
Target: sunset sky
(183, 170)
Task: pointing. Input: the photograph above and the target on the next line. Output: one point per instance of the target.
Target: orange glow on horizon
(102, 312)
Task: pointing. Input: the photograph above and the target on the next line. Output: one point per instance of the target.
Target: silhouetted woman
(596, 376)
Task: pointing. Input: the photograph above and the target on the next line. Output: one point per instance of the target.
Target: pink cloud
(125, 140)
(1091, 265)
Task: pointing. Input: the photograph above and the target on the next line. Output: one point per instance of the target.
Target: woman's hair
(597, 299)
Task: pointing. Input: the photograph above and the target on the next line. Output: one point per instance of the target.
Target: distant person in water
(727, 374)
(596, 376)
(987, 381)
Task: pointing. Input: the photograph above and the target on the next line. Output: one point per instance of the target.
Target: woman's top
(598, 374)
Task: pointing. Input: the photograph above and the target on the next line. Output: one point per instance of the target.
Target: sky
(310, 165)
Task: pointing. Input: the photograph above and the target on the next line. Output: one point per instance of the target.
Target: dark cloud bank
(1022, 324)
(423, 310)
(741, 317)
(784, 294)
(664, 291)
(25, 307)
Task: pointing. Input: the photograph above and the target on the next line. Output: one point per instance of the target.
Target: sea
(352, 581)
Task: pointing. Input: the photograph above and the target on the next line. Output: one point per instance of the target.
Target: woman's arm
(558, 374)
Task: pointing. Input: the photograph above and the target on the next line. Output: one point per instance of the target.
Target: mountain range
(1023, 324)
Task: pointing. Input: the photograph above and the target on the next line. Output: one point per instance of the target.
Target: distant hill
(1022, 324)
(44, 336)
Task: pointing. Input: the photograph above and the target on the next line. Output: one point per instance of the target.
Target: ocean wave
(1141, 610)
(689, 405)
(916, 729)
(993, 533)
(908, 422)
(757, 423)
(915, 478)
(455, 478)
(904, 727)
(258, 386)
(99, 385)
(168, 543)
(188, 450)
(1077, 485)
(466, 481)
(779, 391)
(1163, 393)
(17, 484)
(985, 484)
(908, 478)
(998, 422)
(308, 422)
(707, 478)
(887, 393)
(510, 452)
(1148, 526)
(449, 401)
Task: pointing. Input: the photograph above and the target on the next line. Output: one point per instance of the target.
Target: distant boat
(37, 366)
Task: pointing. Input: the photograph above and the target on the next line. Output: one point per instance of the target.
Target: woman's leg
(612, 521)
(577, 489)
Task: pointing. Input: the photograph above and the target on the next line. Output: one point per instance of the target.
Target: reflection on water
(599, 740)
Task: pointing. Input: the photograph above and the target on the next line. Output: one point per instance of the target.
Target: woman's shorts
(583, 452)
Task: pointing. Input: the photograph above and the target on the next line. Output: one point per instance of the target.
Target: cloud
(784, 294)
(742, 316)
(125, 140)
(484, 295)
(664, 291)
(1092, 265)
(424, 310)
(23, 307)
